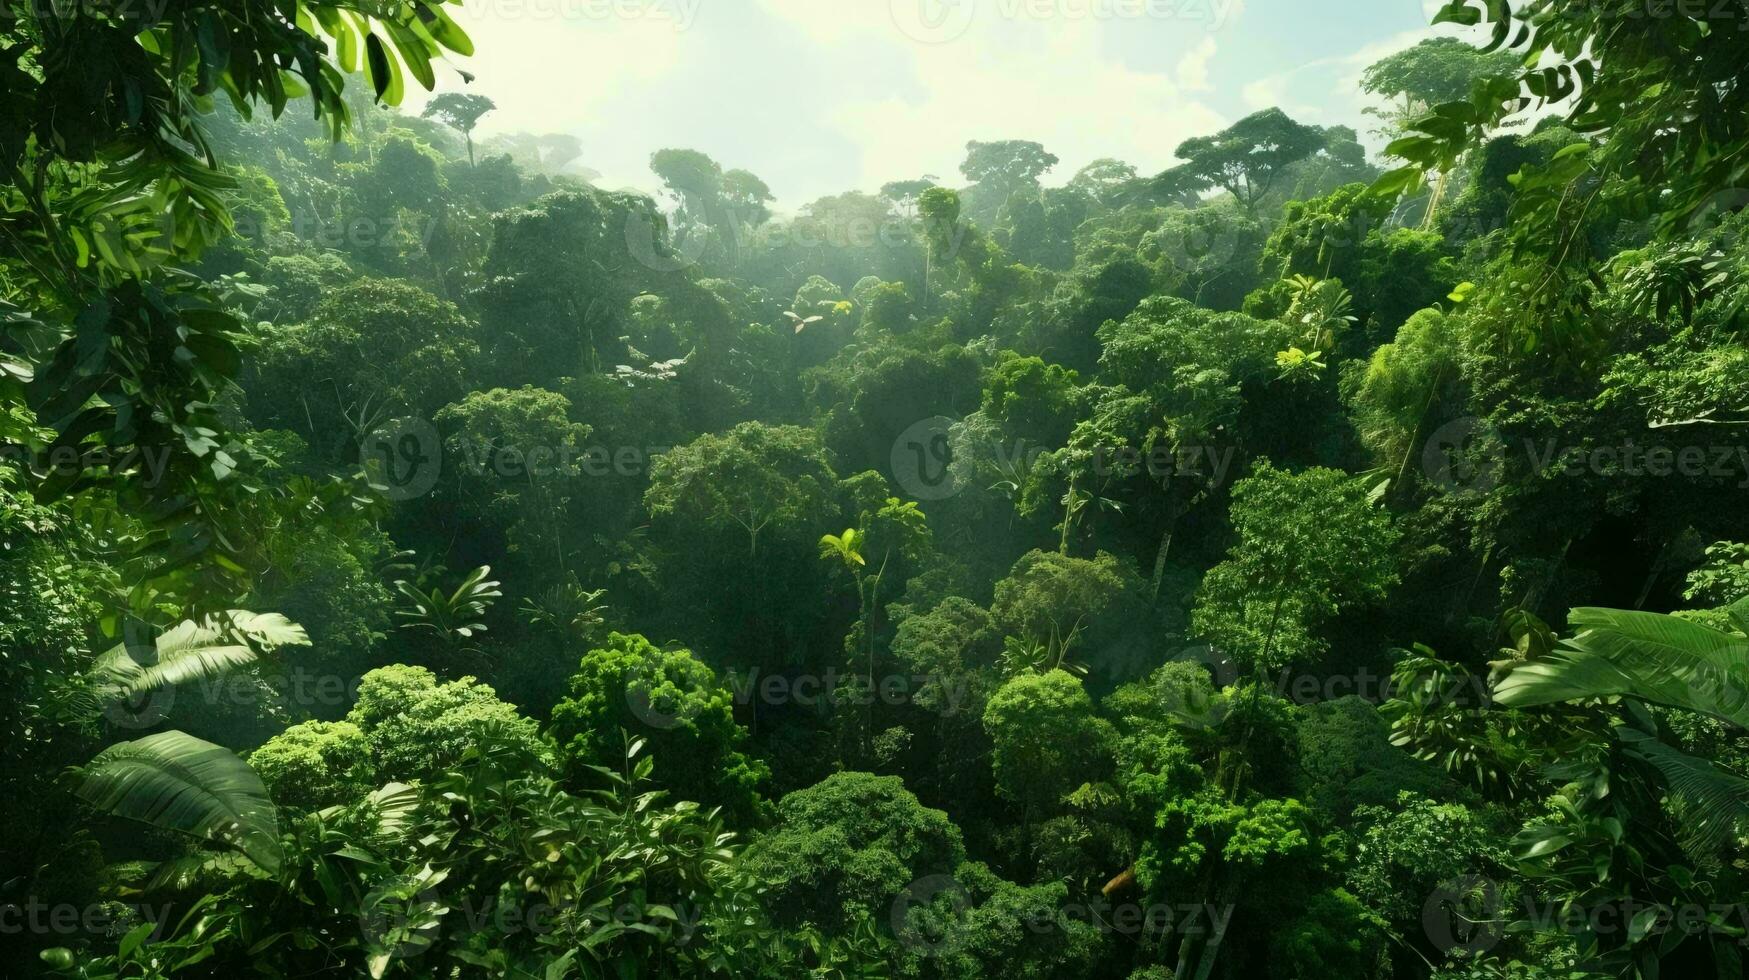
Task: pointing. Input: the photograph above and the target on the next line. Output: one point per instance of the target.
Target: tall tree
(460, 111)
(1008, 165)
(1245, 159)
(1310, 545)
(1434, 71)
(1000, 170)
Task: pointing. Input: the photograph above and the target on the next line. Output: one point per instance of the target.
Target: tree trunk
(1652, 574)
(1164, 553)
(1191, 954)
(1434, 200)
(1415, 439)
(871, 605)
(1534, 597)
(1211, 949)
(1068, 517)
(1475, 583)
(1160, 564)
(928, 267)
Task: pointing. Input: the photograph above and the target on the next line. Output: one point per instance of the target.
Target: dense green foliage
(417, 561)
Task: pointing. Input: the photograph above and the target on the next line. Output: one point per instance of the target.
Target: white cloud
(820, 96)
(552, 65)
(1326, 91)
(836, 21)
(1193, 69)
(1040, 81)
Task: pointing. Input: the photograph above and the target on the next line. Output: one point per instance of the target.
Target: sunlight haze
(821, 95)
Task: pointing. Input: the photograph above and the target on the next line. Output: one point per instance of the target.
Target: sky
(819, 97)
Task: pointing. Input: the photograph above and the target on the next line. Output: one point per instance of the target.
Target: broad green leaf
(178, 782)
(1715, 802)
(1655, 658)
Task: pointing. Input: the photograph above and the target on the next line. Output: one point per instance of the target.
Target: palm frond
(1647, 656)
(193, 651)
(181, 783)
(568, 607)
(395, 805)
(460, 613)
(195, 872)
(1715, 802)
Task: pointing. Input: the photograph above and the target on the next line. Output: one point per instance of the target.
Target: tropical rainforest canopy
(1311, 556)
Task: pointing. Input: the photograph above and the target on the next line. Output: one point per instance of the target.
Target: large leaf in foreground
(1651, 657)
(178, 782)
(1716, 802)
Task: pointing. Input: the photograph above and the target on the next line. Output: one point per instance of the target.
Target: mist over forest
(1321, 553)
